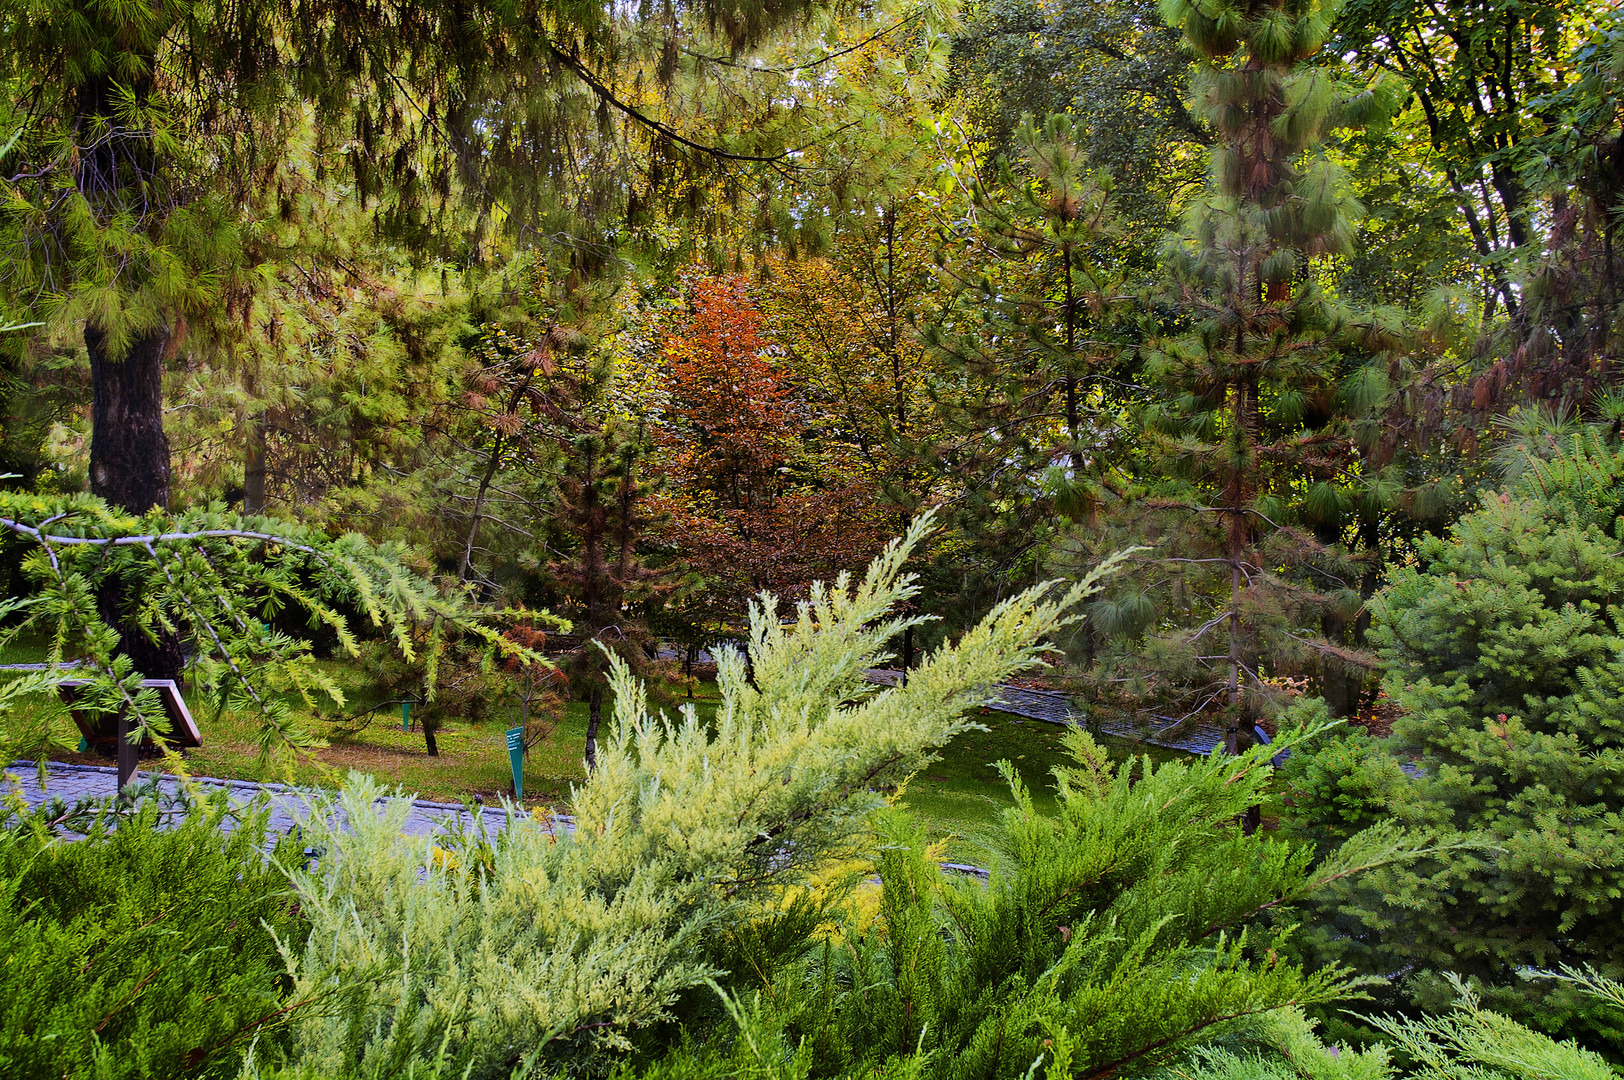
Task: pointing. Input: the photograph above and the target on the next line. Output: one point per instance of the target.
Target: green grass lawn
(472, 760)
(959, 796)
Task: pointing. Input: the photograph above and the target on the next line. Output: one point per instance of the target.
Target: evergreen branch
(1378, 846)
(142, 541)
(199, 620)
(1110, 1068)
(808, 65)
(608, 96)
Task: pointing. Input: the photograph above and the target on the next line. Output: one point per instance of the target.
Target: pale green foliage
(1594, 984)
(217, 579)
(496, 950)
(565, 945)
(1465, 1043)
(1469, 1043)
(1284, 1047)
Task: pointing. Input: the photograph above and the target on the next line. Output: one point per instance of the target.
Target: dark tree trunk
(1341, 683)
(594, 715)
(129, 467)
(156, 658)
(127, 752)
(129, 454)
(429, 741)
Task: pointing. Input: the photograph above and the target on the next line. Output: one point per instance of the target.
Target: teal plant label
(406, 716)
(515, 743)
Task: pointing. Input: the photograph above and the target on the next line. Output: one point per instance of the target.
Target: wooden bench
(113, 731)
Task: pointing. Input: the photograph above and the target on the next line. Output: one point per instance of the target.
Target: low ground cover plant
(145, 949)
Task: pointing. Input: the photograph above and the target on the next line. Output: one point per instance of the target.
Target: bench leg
(126, 752)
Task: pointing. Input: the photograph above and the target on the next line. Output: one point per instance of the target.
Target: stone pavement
(289, 805)
(1054, 707)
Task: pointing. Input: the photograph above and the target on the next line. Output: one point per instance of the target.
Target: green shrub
(139, 951)
(1112, 935)
(563, 951)
(1504, 641)
(1464, 1043)
(1339, 783)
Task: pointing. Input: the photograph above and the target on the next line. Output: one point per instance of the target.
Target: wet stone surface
(289, 805)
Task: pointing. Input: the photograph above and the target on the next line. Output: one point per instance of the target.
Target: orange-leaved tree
(761, 497)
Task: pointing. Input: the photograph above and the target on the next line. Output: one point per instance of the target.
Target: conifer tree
(154, 144)
(1502, 643)
(604, 507)
(220, 579)
(1250, 422)
(1040, 336)
(552, 950)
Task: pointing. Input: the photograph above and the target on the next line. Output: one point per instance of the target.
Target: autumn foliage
(757, 498)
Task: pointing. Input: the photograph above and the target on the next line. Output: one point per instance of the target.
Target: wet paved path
(289, 805)
(1054, 707)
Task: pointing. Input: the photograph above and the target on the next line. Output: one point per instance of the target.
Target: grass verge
(959, 797)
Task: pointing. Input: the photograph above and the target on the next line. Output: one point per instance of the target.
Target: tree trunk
(594, 715)
(1342, 684)
(126, 751)
(129, 467)
(429, 740)
(1232, 743)
(129, 454)
(253, 475)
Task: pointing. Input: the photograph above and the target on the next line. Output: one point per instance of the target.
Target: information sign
(515, 744)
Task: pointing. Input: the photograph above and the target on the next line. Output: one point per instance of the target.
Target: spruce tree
(1503, 644)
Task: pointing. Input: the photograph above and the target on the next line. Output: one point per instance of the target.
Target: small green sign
(406, 716)
(515, 743)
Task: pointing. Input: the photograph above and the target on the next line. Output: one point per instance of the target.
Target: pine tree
(161, 140)
(1251, 422)
(604, 507)
(1040, 337)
